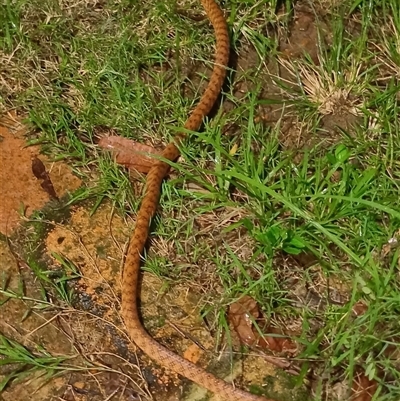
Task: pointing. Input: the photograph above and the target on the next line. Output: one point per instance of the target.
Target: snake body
(158, 171)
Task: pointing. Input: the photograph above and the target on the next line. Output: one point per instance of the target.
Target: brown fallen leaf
(133, 155)
(244, 315)
(363, 389)
(279, 342)
(359, 308)
(241, 315)
(39, 171)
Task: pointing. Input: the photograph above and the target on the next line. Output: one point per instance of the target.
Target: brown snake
(158, 171)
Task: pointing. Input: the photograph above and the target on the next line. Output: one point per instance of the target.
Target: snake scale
(158, 171)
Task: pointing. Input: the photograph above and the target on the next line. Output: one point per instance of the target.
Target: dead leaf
(279, 342)
(359, 308)
(133, 155)
(39, 171)
(363, 389)
(244, 315)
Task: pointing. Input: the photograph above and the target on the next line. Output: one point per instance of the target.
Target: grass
(25, 361)
(329, 196)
